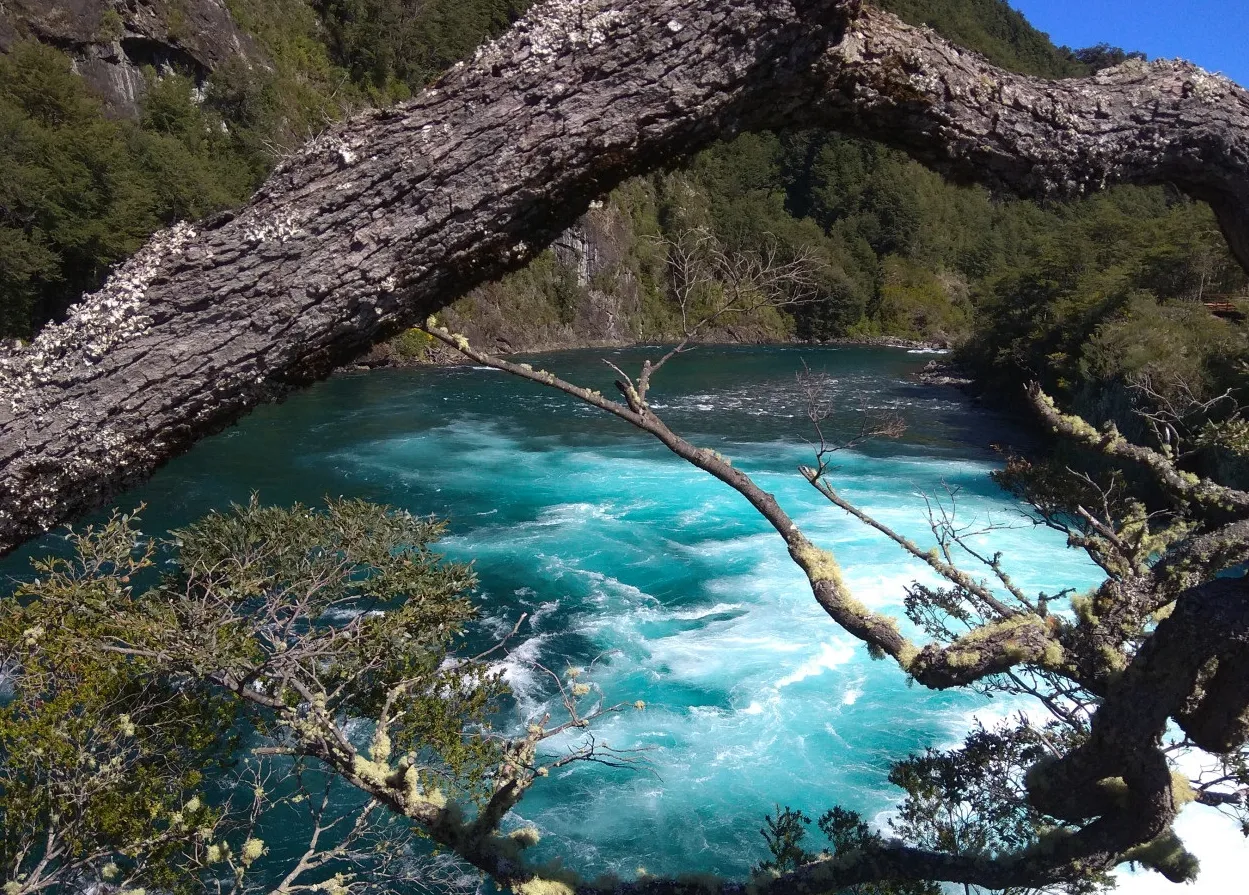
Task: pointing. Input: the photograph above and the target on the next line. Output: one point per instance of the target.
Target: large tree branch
(1201, 558)
(396, 213)
(1184, 486)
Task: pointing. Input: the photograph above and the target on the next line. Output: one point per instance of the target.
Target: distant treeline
(1080, 295)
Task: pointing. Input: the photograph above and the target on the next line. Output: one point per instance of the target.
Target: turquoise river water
(620, 552)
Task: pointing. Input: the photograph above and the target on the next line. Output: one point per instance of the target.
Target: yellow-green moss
(1114, 788)
(414, 794)
(380, 749)
(1114, 659)
(1017, 652)
(374, 773)
(1168, 856)
(526, 837)
(820, 565)
(1054, 656)
(335, 885)
(984, 632)
(1182, 791)
(253, 849)
(549, 879)
(963, 658)
(1078, 426)
(1083, 608)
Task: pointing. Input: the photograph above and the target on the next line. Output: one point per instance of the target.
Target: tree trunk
(394, 214)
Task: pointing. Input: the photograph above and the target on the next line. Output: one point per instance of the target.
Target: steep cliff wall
(604, 281)
(112, 42)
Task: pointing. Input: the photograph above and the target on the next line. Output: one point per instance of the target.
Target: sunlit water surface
(666, 580)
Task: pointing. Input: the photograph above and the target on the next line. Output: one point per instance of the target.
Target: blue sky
(1212, 33)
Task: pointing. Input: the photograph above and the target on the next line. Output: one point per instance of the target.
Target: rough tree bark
(392, 215)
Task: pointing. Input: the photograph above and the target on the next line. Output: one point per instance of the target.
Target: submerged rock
(944, 372)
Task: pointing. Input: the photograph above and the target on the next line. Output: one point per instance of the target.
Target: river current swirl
(666, 580)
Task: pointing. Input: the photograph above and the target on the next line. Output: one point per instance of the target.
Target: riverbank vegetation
(1058, 294)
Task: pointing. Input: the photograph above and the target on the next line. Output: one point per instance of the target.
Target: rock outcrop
(112, 42)
(603, 295)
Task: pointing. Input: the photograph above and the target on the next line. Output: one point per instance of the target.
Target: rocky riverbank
(945, 372)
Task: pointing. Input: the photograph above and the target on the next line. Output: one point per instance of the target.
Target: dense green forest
(1084, 296)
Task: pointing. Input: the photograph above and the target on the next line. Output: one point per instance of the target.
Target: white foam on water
(702, 612)
(517, 670)
(341, 614)
(575, 514)
(753, 695)
(539, 615)
(833, 654)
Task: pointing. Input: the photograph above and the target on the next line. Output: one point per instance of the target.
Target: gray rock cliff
(113, 41)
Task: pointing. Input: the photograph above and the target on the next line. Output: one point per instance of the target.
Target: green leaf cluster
(847, 833)
(394, 48)
(100, 755)
(139, 668)
(80, 191)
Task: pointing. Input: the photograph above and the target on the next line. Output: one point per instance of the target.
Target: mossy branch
(1184, 486)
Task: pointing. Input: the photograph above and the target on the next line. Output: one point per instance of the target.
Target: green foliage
(1091, 278)
(412, 345)
(1176, 346)
(132, 662)
(112, 26)
(847, 833)
(97, 750)
(303, 94)
(71, 199)
(80, 191)
(973, 801)
(970, 800)
(783, 833)
(994, 29)
(965, 801)
(915, 303)
(396, 47)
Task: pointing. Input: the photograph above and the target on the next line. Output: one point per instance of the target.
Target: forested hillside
(1084, 296)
